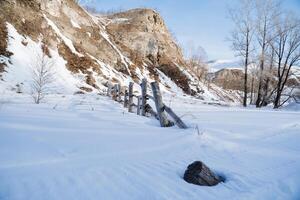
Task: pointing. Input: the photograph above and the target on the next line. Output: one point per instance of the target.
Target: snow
(111, 73)
(52, 7)
(167, 85)
(118, 20)
(293, 106)
(96, 19)
(66, 40)
(19, 71)
(75, 24)
(89, 147)
(124, 59)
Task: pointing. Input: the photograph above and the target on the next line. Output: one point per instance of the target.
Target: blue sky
(194, 22)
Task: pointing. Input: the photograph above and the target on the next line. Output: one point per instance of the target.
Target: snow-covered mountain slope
(89, 51)
(88, 147)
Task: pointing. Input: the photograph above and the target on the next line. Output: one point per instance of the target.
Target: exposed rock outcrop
(144, 32)
(121, 47)
(233, 78)
(229, 78)
(145, 39)
(125, 41)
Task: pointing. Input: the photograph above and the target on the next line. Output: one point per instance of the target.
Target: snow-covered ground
(88, 147)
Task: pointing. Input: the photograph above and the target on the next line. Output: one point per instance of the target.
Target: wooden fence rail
(142, 107)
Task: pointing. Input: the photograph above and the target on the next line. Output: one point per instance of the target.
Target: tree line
(267, 38)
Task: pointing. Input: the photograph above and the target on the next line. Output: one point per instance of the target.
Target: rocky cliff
(143, 35)
(89, 50)
(230, 78)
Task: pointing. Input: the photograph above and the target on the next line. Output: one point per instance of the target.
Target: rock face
(144, 31)
(143, 35)
(232, 79)
(199, 174)
(129, 43)
(97, 49)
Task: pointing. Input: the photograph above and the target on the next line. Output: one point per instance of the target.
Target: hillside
(90, 51)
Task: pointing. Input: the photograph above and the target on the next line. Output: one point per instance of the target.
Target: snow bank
(88, 147)
(292, 107)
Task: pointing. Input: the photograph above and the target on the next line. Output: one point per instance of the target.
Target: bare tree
(198, 67)
(251, 89)
(253, 71)
(267, 10)
(278, 41)
(286, 46)
(296, 95)
(242, 35)
(42, 76)
(191, 51)
(268, 88)
(196, 63)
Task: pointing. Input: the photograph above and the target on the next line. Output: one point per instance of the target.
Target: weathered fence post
(177, 119)
(144, 97)
(139, 104)
(125, 99)
(150, 110)
(108, 89)
(113, 93)
(130, 97)
(118, 92)
(164, 122)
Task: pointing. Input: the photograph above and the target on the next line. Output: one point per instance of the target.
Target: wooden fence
(143, 108)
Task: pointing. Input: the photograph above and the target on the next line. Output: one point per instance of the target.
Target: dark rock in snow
(199, 174)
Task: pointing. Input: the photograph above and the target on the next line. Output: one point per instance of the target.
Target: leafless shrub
(42, 77)
(196, 64)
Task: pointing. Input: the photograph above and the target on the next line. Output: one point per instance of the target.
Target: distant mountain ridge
(216, 65)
